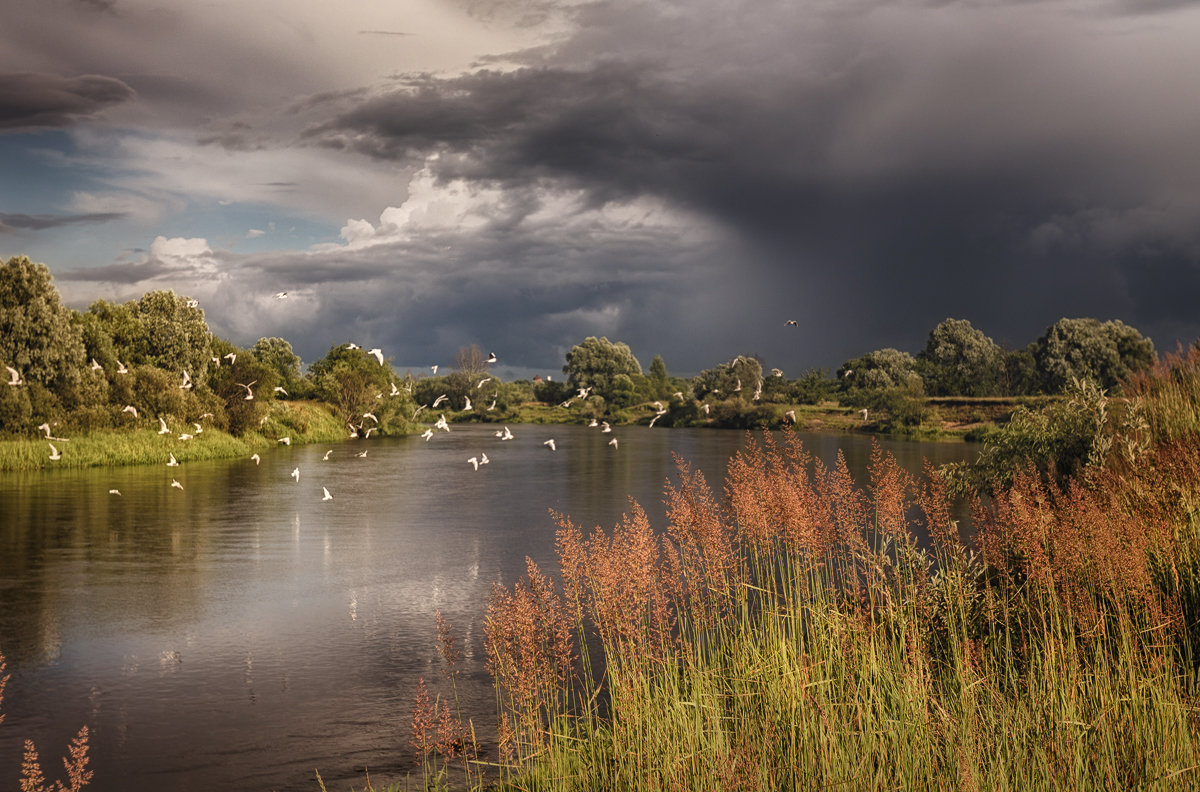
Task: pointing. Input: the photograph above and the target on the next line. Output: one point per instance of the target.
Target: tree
(597, 363)
(355, 383)
(959, 360)
(277, 355)
(1106, 353)
(883, 368)
(738, 377)
(175, 336)
(38, 335)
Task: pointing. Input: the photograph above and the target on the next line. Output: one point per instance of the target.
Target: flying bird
(550, 443)
(492, 406)
(441, 424)
(15, 376)
(249, 393)
(279, 389)
(791, 415)
(281, 295)
(121, 368)
(199, 428)
(483, 460)
(604, 427)
(428, 433)
(791, 323)
(863, 413)
(54, 453)
(593, 423)
(185, 436)
(371, 416)
(163, 426)
(114, 492)
(613, 443)
(231, 357)
(192, 303)
(287, 441)
(652, 420)
(216, 361)
(395, 390)
(187, 382)
(96, 366)
(326, 457)
(378, 353)
(434, 368)
(474, 462)
(352, 345)
(361, 454)
(468, 405)
(508, 435)
(45, 428)
(176, 485)
(491, 358)
(439, 400)
(482, 382)
(296, 474)
(326, 496)
(172, 462)
(256, 458)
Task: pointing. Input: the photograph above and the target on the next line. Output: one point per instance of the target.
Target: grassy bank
(303, 422)
(795, 635)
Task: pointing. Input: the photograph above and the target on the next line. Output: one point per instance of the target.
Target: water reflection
(240, 632)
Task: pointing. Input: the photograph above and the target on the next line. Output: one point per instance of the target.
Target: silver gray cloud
(31, 101)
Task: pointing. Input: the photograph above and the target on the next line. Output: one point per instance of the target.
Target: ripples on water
(240, 633)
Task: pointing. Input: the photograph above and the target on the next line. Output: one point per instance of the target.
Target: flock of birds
(477, 461)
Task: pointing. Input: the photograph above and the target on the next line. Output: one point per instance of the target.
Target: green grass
(304, 422)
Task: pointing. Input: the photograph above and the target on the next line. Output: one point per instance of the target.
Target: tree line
(115, 364)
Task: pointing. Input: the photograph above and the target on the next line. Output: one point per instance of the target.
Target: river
(242, 632)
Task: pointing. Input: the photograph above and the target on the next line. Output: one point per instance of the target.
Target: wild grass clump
(794, 634)
(74, 763)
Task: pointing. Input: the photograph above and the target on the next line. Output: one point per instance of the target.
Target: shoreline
(312, 422)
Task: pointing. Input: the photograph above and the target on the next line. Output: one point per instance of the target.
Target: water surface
(242, 632)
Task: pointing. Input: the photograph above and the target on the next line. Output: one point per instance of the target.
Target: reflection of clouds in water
(353, 606)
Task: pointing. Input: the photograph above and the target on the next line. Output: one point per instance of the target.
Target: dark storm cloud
(906, 161)
(125, 273)
(31, 101)
(10, 222)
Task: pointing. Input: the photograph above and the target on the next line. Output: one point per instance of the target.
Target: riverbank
(315, 422)
(300, 422)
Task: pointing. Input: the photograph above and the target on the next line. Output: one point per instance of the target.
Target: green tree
(736, 378)
(38, 334)
(597, 363)
(959, 360)
(354, 382)
(883, 368)
(175, 336)
(277, 355)
(1106, 353)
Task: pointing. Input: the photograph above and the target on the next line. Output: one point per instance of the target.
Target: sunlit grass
(793, 635)
(303, 422)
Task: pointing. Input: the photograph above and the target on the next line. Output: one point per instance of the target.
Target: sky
(686, 177)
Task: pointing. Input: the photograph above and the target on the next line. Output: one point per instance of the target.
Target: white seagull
(15, 376)
(483, 460)
(428, 433)
(296, 474)
(482, 382)
(550, 443)
(326, 496)
(441, 423)
(45, 428)
(474, 462)
(287, 441)
(172, 462)
(187, 382)
(439, 400)
(604, 427)
(176, 485)
(249, 393)
(279, 389)
(231, 357)
(96, 366)
(163, 426)
(281, 295)
(121, 368)
(371, 416)
(378, 353)
(54, 453)
(256, 458)
(491, 358)
(790, 415)
(114, 492)
(326, 457)
(613, 442)
(468, 406)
